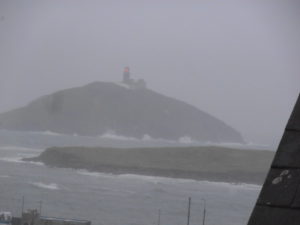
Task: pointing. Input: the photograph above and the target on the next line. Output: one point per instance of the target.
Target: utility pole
(159, 212)
(41, 203)
(189, 211)
(22, 205)
(204, 212)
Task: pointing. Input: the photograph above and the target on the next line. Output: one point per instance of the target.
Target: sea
(108, 199)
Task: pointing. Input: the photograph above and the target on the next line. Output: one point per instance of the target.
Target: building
(32, 217)
(5, 218)
(279, 199)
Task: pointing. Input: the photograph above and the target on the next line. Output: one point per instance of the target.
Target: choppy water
(112, 199)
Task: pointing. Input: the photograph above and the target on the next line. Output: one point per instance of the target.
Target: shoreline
(149, 177)
(226, 178)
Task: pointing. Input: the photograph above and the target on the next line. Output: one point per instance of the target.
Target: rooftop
(279, 200)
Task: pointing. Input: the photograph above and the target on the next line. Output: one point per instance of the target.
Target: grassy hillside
(208, 163)
(101, 107)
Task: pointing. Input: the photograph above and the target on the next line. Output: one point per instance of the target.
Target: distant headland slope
(125, 108)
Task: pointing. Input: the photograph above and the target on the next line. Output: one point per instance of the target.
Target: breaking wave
(34, 163)
(109, 138)
(247, 146)
(114, 136)
(187, 180)
(186, 140)
(93, 174)
(183, 141)
(19, 160)
(19, 149)
(160, 180)
(12, 159)
(147, 138)
(51, 186)
(48, 132)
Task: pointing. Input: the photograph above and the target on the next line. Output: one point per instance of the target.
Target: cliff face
(102, 107)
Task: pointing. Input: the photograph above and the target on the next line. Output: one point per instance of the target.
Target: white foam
(51, 186)
(94, 174)
(34, 163)
(19, 160)
(147, 137)
(233, 185)
(186, 140)
(155, 179)
(12, 159)
(112, 135)
(27, 155)
(20, 149)
(147, 178)
(247, 146)
(48, 132)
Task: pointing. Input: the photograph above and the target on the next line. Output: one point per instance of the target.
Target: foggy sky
(237, 60)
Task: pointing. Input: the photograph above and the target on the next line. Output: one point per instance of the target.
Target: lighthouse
(131, 83)
(126, 75)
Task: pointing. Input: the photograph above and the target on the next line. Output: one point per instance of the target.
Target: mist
(238, 61)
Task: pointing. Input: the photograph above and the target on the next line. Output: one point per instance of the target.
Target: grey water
(111, 199)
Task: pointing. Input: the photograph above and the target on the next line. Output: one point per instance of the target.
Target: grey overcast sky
(237, 60)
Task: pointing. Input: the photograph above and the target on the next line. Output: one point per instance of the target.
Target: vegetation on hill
(102, 107)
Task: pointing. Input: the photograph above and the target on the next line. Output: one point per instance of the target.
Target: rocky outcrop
(199, 163)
